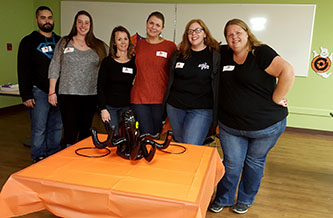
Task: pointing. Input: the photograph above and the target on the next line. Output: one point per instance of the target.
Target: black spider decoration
(130, 144)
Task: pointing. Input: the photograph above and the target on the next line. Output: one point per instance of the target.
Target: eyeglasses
(197, 30)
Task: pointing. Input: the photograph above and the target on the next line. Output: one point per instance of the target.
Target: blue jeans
(245, 153)
(190, 126)
(46, 126)
(115, 113)
(149, 116)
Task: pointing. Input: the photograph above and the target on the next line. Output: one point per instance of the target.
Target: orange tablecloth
(69, 185)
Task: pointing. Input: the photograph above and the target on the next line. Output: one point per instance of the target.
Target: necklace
(81, 43)
(53, 41)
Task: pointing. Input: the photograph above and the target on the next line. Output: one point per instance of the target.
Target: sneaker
(215, 208)
(241, 208)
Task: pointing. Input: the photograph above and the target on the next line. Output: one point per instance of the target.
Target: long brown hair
(113, 47)
(252, 39)
(185, 45)
(94, 43)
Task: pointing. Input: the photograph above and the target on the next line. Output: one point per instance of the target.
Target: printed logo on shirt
(204, 66)
(127, 70)
(46, 49)
(162, 54)
(228, 68)
(180, 65)
(68, 50)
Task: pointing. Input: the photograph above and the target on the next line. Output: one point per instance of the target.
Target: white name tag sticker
(228, 68)
(127, 70)
(46, 49)
(180, 65)
(162, 54)
(68, 50)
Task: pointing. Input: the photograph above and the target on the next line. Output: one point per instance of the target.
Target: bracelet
(51, 94)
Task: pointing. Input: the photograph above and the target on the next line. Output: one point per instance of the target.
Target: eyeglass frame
(197, 31)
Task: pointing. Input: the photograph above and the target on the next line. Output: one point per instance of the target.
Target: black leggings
(77, 112)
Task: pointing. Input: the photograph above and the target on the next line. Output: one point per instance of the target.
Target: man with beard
(34, 56)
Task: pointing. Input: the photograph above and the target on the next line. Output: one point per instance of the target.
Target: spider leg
(167, 141)
(108, 142)
(148, 155)
(135, 145)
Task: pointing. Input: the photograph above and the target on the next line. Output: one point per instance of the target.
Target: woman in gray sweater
(75, 64)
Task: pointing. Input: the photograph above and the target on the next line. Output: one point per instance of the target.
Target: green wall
(310, 100)
(17, 19)
(55, 7)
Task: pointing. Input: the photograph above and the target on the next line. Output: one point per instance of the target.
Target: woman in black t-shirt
(115, 77)
(252, 112)
(191, 88)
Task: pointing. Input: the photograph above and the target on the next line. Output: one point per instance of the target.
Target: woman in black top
(115, 77)
(192, 84)
(252, 112)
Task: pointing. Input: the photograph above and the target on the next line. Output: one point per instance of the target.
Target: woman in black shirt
(115, 77)
(252, 112)
(192, 84)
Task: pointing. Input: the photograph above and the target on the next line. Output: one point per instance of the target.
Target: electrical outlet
(9, 46)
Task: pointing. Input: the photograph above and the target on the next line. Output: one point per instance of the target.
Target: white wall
(288, 28)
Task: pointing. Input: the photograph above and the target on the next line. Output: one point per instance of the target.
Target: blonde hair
(252, 39)
(185, 45)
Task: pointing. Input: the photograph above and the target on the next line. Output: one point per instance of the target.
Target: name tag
(180, 65)
(162, 54)
(228, 68)
(46, 49)
(127, 70)
(68, 50)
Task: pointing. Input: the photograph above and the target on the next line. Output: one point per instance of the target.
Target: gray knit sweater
(76, 70)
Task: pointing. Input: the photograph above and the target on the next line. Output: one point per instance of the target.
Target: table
(69, 185)
(26, 142)
(10, 93)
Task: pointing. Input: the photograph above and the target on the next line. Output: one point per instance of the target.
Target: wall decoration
(321, 63)
(134, 39)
